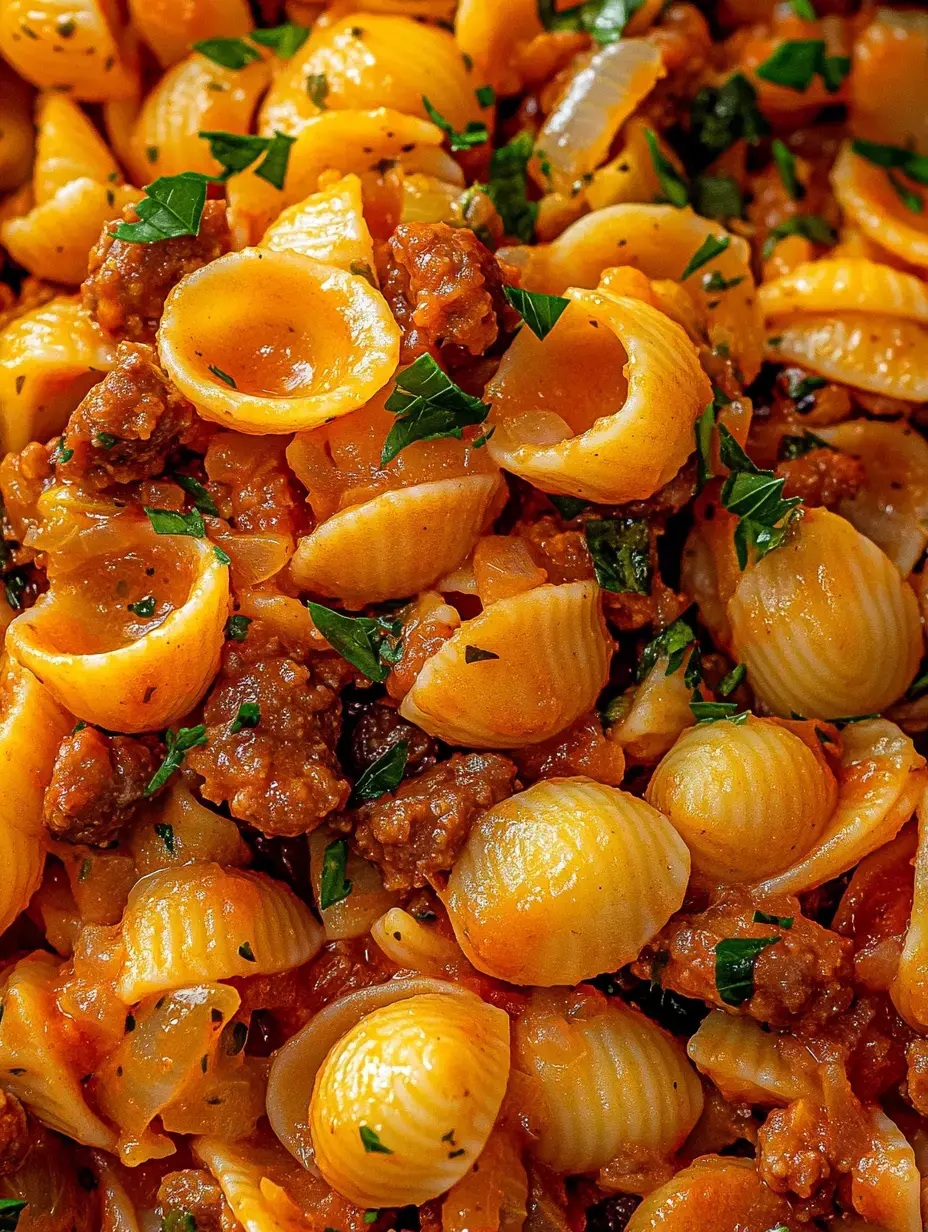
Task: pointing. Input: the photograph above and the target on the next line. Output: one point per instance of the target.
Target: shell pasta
(463, 588)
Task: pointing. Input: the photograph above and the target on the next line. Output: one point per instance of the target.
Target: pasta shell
(37, 1066)
(909, 989)
(715, 1192)
(825, 625)
(654, 715)
(67, 148)
(747, 799)
(103, 676)
(551, 654)
(414, 946)
(891, 48)
(866, 195)
(610, 1082)
(170, 28)
(659, 240)
(31, 728)
(72, 45)
(257, 1203)
(622, 433)
(201, 923)
(886, 1185)
(748, 1064)
(344, 341)
(425, 1078)
(49, 358)
(489, 35)
(328, 226)
(880, 782)
(399, 543)
(352, 916)
(846, 284)
(564, 881)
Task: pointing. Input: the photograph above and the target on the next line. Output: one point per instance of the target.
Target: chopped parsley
(236, 152)
(178, 745)
(273, 170)
(237, 628)
(223, 376)
(474, 134)
(802, 389)
(10, 1211)
(249, 715)
(428, 405)
(715, 712)
(756, 497)
(717, 196)
(605, 20)
(722, 115)
(486, 96)
(781, 921)
(798, 446)
(227, 52)
(85, 869)
(170, 522)
(508, 184)
(14, 587)
(166, 834)
(809, 226)
(368, 644)
(222, 556)
(317, 87)
(909, 198)
(61, 454)
(179, 1221)
(734, 966)
(144, 608)
(674, 641)
(894, 158)
(383, 775)
(172, 206)
(568, 506)
(705, 428)
(803, 9)
(786, 166)
(712, 246)
(729, 683)
(620, 548)
(796, 63)
(372, 1143)
(673, 187)
(474, 654)
(540, 312)
(201, 498)
(334, 885)
(106, 440)
(246, 952)
(285, 41)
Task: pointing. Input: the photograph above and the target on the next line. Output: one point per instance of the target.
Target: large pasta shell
(565, 881)
(715, 1192)
(826, 626)
(846, 284)
(747, 799)
(328, 226)
(404, 1103)
(867, 196)
(399, 543)
(170, 28)
(68, 147)
(243, 1172)
(748, 1064)
(610, 1082)
(36, 1063)
(71, 45)
(139, 685)
(621, 433)
(343, 343)
(201, 923)
(550, 658)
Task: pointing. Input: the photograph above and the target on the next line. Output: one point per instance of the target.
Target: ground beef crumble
(378, 728)
(15, 1138)
(127, 284)
(822, 477)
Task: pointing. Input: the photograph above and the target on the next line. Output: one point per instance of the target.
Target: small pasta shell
(399, 543)
(909, 989)
(551, 654)
(257, 1203)
(49, 358)
(170, 28)
(825, 625)
(610, 1082)
(196, 832)
(405, 1101)
(328, 226)
(886, 1183)
(71, 45)
(846, 284)
(747, 799)
(138, 685)
(31, 728)
(564, 881)
(414, 946)
(621, 437)
(37, 1067)
(654, 715)
(867, 197)
(747, 1063)
(881, 780)
(68, 147)
(490, 35)
(344, 343)
(716, 1192)
(201, 923)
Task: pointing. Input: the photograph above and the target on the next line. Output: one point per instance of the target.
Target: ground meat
(612, 1214)
(96, 784)
(807, 975)
(15, 1138)
(23, 478)
(793, 1149)
(446, 291)
(822, 477)
(127, 424)
(581, 749)
(420, 829)
(377, 729)
(127, 284)
(194, 1192)
(281, 776)
(917, 1075)
(259, 491)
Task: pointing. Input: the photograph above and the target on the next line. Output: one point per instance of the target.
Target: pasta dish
(463, 692)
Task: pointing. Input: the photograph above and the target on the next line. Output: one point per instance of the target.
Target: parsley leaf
(894, 158)
(372, 1143)
(317, 87)
(249, 715)
(802, 390)
(273, 170)
(201, 498)
(233, 151)
(237, 628)
(717, 196)
(809, 226)
(782, 921)
(508, 185)
(705, 427)
(474, 134)
(540, 312)
(673, 642)
(796, 62)
(729, 683)
(246, 952)
(227, 52)
(365, 643)
(798, 446)
(170, 522)
(620, 548)
(711, 247)
(334, 886)
(428, 405)
(756, 497)
(144, 608)
(10, 1211)
(172, 205)
(166, 834)
(605, 20)
(673, 187)
(568, 506)
(722, 115)
(803, 9)
(223, 376)
(713, 712)
(179, 1221)
(383, 775)
(285, 41)
(734, 966)
(909, 198)
(178, 745)
(486, 96)
(786, 166)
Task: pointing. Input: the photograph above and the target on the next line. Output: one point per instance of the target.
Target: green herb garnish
(782, 921)
(756, 497)
(372, 1143)
(428, 405)
(334, 886)
(369, 645)
(178, 745)
(285, 41)
(166, 834)
(227, 52)
(249, 715)
(508, 185)
(540, 312)
(201, 498)
(144, 608)
(734, 967)
(673, 187)
(474, 134)
(172, 206)
(170, 522)
(620, 548)
(712, 246)
(786, 166)
(383, 775)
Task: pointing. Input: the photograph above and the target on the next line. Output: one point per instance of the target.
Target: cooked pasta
(463, 682)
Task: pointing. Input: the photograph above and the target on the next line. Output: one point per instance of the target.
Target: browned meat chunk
(127, 284)
(15, 1138)
(420, 829)
(446, 291)
(96, 784)
(822, 477)
(917, 1075)
(280, 775)
(194, 1192)
(808, 974)
(581, 749)
(127, 425)
(378, 729)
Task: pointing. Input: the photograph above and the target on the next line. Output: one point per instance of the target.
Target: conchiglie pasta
(37, 1066)
(747, 799)
(846, 284)
(825, 625)
(68, 147)
(169, 28)
(258, 1203)
(654, 714)
(49, 358)
(445, 1061)
(414, 946)
(749, 1064)
(610, 1082)
(328, 226)
(550, 658)
(105, 664)
(715, 1192)
(220, 335)
(626, 429)
(71, 45)
(368, 61)
(31, 728)
(868, 199)
(200, 923)
(564, 881)
(399, 543)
